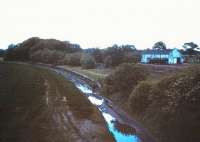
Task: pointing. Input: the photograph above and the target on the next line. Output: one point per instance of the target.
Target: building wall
(146, 57)
(172, 57)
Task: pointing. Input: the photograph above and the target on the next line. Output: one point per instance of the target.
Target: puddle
(124, 128)
(95, 101)
(118, 135)
(84, 89)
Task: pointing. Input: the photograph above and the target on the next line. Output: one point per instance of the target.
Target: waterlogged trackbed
(122, 127)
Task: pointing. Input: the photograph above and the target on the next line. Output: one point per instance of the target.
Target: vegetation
(170, 107)
(159, 46)
(190, 48)
(97, 54)
(94, 74)
(40, 50)
(52, 51)
(165, 99)
(123, 79)
(43, 106)
(2, 52)
(116, 55)
(88, 62)
(191, 52)
(73, 59)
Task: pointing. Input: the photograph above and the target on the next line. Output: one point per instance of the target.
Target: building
(168, 56)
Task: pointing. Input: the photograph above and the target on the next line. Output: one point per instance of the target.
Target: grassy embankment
(164, 98)
(37, 105)
(170, 106)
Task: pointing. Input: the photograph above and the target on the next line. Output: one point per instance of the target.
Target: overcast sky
(101, 23)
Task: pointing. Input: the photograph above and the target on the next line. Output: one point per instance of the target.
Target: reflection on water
(84, 89)
(124, 128)
(119, 136)
(95, 101)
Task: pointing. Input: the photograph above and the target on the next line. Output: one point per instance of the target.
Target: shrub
(139, 98)
(97, 55)
(87, 62)
(170, 107)
(42, 50)
(124, 78)
(74, 59)
(108, 61)
(130, 57)
(2, 52)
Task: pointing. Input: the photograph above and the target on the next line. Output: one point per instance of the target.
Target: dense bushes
(53, 51)
(41, 50)
(47, 56)
(115, 55)
(73, 59)
(170, 107)
(2, 52)
(124, 78)
(139, 98)
(87, 62)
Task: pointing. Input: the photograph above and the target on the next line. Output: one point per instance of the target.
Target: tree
(10, 53)
(2, 52)
(128, 48)
(88, 62)
(190, 48)
(115, 53)
(41, 50)
(159, 46)
(74, 59)
(97, 55)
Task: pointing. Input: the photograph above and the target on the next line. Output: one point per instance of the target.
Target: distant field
(156, 71)
(96, 74)
(38, 105)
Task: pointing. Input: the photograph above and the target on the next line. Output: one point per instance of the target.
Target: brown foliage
(124, 78)
(170, 107)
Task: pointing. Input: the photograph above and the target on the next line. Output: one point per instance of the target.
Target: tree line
(56, 52)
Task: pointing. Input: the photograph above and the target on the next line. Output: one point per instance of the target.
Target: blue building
(168, 56)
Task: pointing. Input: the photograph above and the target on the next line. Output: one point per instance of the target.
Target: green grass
(33, 106)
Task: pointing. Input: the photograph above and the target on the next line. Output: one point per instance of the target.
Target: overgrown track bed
(38, 105)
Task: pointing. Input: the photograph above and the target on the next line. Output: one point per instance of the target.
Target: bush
(115, 55)
(108, 61)
(87, 62)
(74, 59)
(42, 50)
(170, 107)
(124, 78)
(131, 58)
(2, 52)
(139, 98)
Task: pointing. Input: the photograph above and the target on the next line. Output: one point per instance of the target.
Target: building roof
(167, 51)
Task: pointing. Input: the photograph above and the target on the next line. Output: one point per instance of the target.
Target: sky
(101, 23)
